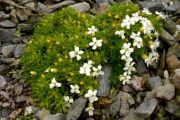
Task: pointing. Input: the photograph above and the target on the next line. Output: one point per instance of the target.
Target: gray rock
(31, 5)
(171, 8)
(172, 49)
(7, 50)
(163, 60)
(3, 69)
(61, 4)
(154, 82)
(7, 24)
(43, 8)
(3, 15)
(141, 67)
(151, 5)
(76, 109)
(3, 82)
(114, 108)
(166, 37)
(22, 15)
(121, 103)
(126, 100)
(173, 108)
(170, 26)
(41, 114)
(132, 116)
(172, 62)
(137, 83)
(146, 108)
(21, 98)
(175, 79)
(166, 92)
(57, 116)
(7, 35)
(28, 28)
(5, 113)
(18, 89)
(19, 50)
(4, 95)
(104, 82)
(149, 95)
(7, 60)
(81, 7)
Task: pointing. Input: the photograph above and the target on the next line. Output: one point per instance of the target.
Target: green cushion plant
(68, 50)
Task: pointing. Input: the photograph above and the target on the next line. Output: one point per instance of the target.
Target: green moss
(56, 35)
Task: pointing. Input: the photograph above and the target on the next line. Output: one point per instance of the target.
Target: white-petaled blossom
(54, 83)
(92, 30)
(74, 89)
(120, 34)
(153, 56)
(129, 67)
(145, 10)
(86, 68)
(154, 45)
(47, 70)
(125, 78)
(126, 50)
(160, 14)
(68, 100)
(97, 71)
(95, 43)
(126, 22)
(76, 53)
(135, 18)
(128, 59)
(90, 109)
(91, 95)
(147, 25)
(138, 41)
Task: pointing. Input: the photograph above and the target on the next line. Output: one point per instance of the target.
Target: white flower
(127, 50)
(147, 25)
(145, 10)
(74, 89)
(153, 56)
(129, 67)
(120, 33)
(135, 18)
(95, 43)
(126, 22)
(155, 45)
(97, 71)
(54, 83)
(125, 77)
(68, 100)
(86, 68)
(47, 70)
(91, 95)
(138, 42)
(76, 53)
(92, 30)
(128, 59)
(160, 14)
(135, 35)
(90, 109)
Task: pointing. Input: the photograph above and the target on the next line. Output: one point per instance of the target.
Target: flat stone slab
(104, 82)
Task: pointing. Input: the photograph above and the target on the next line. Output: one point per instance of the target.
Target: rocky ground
(154, 95)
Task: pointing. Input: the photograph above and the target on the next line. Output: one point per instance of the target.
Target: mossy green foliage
(56, 35)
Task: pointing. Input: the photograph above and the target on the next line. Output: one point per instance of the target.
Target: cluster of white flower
(127, 49)
(91, 95)
(54, 83)
(76, 53)
(68, 100)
